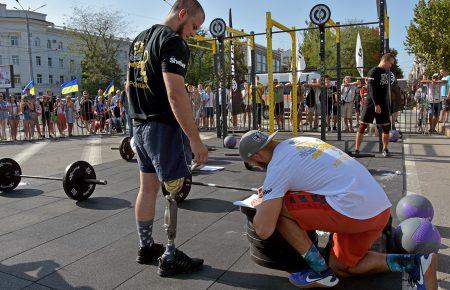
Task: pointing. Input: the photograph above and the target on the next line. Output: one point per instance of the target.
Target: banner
(6, 76)
(359, 56)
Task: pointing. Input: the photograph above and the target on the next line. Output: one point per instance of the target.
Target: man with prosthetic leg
(376, 105)
(165, 134)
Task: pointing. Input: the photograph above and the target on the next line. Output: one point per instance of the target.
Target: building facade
(52, 61)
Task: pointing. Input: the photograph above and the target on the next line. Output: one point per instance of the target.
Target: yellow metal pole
(270, 98)
(294, 84)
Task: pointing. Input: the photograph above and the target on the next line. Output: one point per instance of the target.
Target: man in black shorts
(376, 105)
(164, 128)
(331, 103)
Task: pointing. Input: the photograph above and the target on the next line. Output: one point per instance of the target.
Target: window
(17, 79)
(15, 59)
(14, 40)
(50, 62)
(71, 65)
(37, 42)
(38, 60)
(39, 79)
(73, 78)
(50, 79)
(258, 63)
(61, 79)
(61, 63)
(60, 45)
(49, 44)
(264, 64)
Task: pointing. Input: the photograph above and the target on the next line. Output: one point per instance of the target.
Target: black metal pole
(223, 89)
(323, 105)
(253, 86)
(338, 87)
(382, 51)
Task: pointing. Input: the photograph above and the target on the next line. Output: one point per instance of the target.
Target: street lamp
(29, 35)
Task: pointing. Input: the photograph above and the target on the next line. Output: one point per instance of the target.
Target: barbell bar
(78, 181)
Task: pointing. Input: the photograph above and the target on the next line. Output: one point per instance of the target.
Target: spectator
(313, 106)
(115, 113)
(60, 110)
(3, 117)
(87, 112)
(25, 112)
(300, 105)
(348, 90)
(100, 109)
(124, 110)
(434, 100)
(108, 117)
(208, 113)
(279, 103)
(259, 87)
(201, 104)
(248, 104)
(332, 102)
(36, 112)
(13, 117)
(445, 95)
(47, 109)
(70, 114)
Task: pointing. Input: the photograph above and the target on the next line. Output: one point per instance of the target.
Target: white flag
(301, 64)
(249, 55)
(359, 56)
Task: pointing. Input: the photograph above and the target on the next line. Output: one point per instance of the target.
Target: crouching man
(311, 185)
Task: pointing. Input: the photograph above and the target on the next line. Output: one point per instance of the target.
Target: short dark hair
(192, 7)
(387, 56)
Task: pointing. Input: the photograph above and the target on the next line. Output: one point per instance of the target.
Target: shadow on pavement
(211, 205)
(105, 203)
(22, 193)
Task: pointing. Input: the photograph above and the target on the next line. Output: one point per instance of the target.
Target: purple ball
(414, 205)
(230, 142)
(417, 236)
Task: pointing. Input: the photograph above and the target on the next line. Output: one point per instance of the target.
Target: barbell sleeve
(95, 181)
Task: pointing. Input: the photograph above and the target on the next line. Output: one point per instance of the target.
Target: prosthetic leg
(170, 213)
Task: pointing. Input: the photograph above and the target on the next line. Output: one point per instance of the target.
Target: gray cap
(253, 141)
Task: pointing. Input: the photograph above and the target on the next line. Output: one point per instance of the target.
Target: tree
(395, 69)
(370, 42)
(428, 36)
(99, 37)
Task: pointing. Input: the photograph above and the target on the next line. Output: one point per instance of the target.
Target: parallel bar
(223, 186)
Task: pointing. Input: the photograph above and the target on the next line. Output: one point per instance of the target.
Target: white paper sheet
(246, 202)
(211, 168)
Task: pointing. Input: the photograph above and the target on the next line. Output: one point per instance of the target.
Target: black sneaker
(148, 255)
(181, 264)
(386, 153)
(356, 154)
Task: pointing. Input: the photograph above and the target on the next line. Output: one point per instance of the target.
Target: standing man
(279, 103)
(445, 94)
(247, 100)
(165, 131)
(376, 105)
(259, 101)
(331, 103)
(123, 104)
(348, 90)
(434, 99)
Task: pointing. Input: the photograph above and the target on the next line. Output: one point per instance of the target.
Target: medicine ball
(394, 135)
(414, 205)
(230, 142)
(417, 236)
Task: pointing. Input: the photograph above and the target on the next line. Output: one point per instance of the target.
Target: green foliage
(428, 35)
(98, 39)
(370, 42)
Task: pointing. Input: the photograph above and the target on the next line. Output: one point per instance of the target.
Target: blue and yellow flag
(69, 87)
(109, 89)
(29, 86)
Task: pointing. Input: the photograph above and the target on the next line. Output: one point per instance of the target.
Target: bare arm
(266, 218)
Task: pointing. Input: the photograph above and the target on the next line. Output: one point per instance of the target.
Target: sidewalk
(427, 164)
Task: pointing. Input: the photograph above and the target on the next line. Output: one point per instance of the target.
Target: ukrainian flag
(109, 89)
(29, 86)
(69, 87)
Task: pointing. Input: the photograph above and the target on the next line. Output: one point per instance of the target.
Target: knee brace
(385, 128)
(362, 128)
(170, 213)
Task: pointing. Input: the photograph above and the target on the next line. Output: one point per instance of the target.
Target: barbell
(186, 188)
(78, 181)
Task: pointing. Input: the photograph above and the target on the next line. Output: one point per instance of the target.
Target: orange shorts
(352, 238)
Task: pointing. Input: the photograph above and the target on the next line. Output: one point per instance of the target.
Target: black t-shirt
(86, 106)
(47, 108)
(154, 51)
(378, 85)
(331, 91)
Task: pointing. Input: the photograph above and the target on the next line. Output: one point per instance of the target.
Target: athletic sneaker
(416, 276)
(181, 264)
(356, 154)
(311, 279)
(148, 255)
(386, 153)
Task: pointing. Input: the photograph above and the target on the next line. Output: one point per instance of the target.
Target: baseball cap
(253, 141)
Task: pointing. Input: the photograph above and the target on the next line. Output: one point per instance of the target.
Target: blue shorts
(162, 149)
(434, 109)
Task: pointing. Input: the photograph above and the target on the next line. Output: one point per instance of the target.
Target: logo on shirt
(178, 62)
(384, 79)
(267, 191)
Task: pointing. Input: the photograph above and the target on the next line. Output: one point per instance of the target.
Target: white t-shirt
(227, 95)
(311, 165)
(208, 98)
(348, 93)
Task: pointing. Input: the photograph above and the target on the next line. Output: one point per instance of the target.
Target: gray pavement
(51, 242)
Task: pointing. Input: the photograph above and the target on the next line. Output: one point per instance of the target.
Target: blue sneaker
(416, 276)
(312, 279)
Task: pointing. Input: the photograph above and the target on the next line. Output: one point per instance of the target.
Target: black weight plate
(73, 183)
(184, 192)
(126, 152)
(9, 169)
